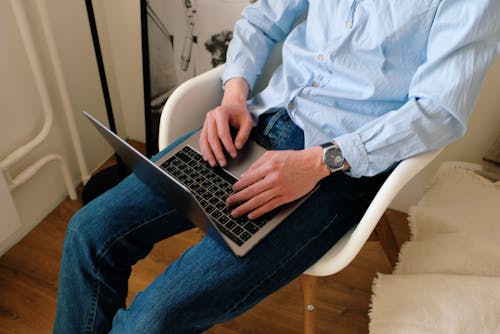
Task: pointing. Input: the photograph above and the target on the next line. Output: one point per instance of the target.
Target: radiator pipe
(63, 90)
(27, 173)
(27, 38)
(47, 108)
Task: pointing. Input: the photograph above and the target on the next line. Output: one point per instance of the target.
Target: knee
(80, 222)
(83, 232)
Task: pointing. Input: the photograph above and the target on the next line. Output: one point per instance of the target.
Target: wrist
(235, 91)
(316, 157)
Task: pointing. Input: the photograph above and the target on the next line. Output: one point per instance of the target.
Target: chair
(185, 110)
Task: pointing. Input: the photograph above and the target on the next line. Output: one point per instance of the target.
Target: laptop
(199, 191)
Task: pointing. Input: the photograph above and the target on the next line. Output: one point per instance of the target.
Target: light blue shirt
(385, 79)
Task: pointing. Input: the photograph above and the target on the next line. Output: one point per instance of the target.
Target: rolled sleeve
(354, 153)
(232, 70)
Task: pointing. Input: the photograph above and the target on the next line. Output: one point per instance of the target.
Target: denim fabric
(276, 131)
(208, 284)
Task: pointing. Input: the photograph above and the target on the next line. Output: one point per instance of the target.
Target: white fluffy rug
(448, 276)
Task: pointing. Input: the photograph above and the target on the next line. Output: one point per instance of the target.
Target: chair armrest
(185, 109)
(344, 251)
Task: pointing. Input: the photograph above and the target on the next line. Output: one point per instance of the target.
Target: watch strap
(327, 144)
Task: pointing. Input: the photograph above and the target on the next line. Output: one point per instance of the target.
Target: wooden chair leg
(309, 289)
(385, 235)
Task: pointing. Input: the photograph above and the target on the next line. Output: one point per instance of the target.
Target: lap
(132, 204)
(228, 285)
(209, 272)
(336, 205)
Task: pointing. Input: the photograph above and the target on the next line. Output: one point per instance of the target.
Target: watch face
(334, 159)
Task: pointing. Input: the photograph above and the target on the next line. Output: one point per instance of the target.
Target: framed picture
(181, 39)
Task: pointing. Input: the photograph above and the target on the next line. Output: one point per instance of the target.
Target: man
(368, 83)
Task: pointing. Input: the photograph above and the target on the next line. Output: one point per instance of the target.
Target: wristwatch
(332, 157)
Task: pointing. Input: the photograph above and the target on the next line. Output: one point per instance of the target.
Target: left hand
(277, 178)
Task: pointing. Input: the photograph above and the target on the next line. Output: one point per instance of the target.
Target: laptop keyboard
(211, 187)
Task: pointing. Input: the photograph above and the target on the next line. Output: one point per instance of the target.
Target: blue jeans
(208, 284)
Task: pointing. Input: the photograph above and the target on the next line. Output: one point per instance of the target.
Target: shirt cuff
(354, 153)
(238, 71)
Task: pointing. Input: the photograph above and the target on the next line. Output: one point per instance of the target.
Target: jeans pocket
(272, 119)
(276, 131)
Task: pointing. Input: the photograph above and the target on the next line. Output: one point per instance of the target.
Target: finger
(225, 135)
(254, 203)
(215, 145)
(266, 207)
(250, 177)
(249, 192)
(205, 147)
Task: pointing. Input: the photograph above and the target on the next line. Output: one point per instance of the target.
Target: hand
(277, 178)
(215, 135)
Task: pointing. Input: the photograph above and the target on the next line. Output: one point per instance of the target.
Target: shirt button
(290, 105)
(315, 84)
(320, 57)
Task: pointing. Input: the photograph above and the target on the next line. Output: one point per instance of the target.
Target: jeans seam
(269, 127)
(90, 325)
(95, 296)
(272, 122)
(280, 266)
(152, 220)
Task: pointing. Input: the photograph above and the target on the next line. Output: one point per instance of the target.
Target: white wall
(21, 111)
(119, 24)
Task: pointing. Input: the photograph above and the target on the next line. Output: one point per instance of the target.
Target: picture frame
(181, 39)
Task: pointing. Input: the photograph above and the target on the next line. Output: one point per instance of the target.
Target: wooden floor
(29, 271)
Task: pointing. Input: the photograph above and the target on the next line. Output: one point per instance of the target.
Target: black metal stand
(151, 136)
(111, 176)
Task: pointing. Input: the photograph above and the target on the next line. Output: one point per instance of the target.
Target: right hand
(215, 135)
